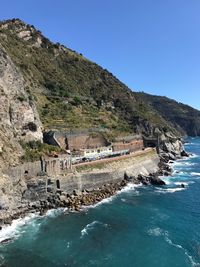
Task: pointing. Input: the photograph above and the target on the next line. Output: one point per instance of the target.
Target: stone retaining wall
(97, 176)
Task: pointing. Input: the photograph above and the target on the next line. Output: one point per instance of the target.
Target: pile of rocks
(78, 199)
(90, 197)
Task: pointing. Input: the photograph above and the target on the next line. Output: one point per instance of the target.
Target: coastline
(84, 187)
(78, 202)
(141, 212)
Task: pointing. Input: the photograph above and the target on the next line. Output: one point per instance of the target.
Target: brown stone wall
(26, 170)
(61, 141)
(131, 146)
(76, 142)
(52, 166)
(85, 142)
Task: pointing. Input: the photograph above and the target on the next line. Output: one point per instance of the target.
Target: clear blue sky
(151, 45)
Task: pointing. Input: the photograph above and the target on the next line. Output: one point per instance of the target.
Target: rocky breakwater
(135, 170)
(89, 186)
(95, 183)
(74, 201)
(77, 200)
(92, 183)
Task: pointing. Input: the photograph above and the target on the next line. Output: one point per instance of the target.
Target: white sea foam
(173, 190)
(188, 143)
(90, 226)
(160, 232)
(128, 188)
(176, 172)
(103, 201)
(13, 231)
(156, 232)
(166, 179)
(194, 156)
(184, 183)
(52, 213)
(169, 190)
(183, 163)
(195, 173)
(169, 241)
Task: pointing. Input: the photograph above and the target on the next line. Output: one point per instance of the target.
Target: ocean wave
(14, 230)
(128, 188)
(169, 190)
(167, 180)
(52, 213)
(183, 163)
(160, 232)
(103, 201)
(195, 173)
(169, 241)
(184, 183)
(194, 156)
(176, 172)
(90, 226)
(189, 143)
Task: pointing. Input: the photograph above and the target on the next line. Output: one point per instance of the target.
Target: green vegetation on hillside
(72, 92)
(184, 118)
(35, 149)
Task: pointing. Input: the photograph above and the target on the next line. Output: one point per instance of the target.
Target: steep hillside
(19, 119)
(70, 91)
(47, 86)
(183, 117)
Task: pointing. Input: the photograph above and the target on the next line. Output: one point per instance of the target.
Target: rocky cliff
(19, 119)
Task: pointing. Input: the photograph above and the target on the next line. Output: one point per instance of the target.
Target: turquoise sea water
(140, 227)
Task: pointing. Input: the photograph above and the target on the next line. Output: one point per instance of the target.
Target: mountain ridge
(68, 92)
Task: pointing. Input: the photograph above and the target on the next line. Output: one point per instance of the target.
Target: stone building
(79, 144)
(88, 145)
(56, 165)
(101, 151)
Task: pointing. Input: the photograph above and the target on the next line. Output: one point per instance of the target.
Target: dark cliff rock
(152, 179)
